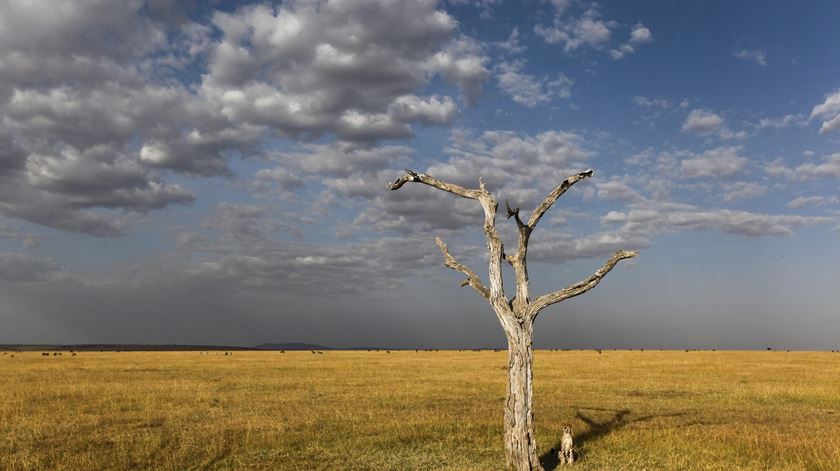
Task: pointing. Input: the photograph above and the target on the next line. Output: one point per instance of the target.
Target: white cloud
(622, 51)
(660, 218)
(701, 121)
(705, 122)
(754, 55)
(96, 110)
(830, 167)
(802, 201)
(585, 30)
(721, 162)
(639, 35)
(743, 190)
(616, 189)
(829, 112)
(512, 45)
(529, 90)
(309, 69)
(786, 121)
(777, 168)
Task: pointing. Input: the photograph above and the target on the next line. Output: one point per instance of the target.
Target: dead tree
(517, 314)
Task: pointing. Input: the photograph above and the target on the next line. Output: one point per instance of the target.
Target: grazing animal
(567, 447)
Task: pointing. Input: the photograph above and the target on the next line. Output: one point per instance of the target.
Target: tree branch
(554, 195)
(472, 279)
(494, 242)
(515, 214)
(581, 286)
(517, 261)
(412, 176)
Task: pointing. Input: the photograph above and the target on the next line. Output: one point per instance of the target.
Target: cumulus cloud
(617, 189)
(786, 121)
(756, 56)
(639, 35)
(310, 68)
(721, 162)
(103, 101)
(705, 122)
(701, 121)
(830, 167)
(529, 90)
(585, 30)
(777, 168)
(829, 112)
(518, 167)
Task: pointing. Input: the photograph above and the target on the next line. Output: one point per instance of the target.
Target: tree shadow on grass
(619, 419)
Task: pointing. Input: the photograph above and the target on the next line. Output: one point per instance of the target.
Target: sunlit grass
(415, 410)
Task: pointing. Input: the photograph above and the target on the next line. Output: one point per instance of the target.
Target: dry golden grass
(415, 411)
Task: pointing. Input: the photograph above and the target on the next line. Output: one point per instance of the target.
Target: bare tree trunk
(520, 437)
(517, 315)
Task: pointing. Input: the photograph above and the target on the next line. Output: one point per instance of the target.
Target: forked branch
(579, 287)
(472, 279)
(494, 242)
(515, 214)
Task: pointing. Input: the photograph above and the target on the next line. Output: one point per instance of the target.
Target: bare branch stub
(580, 287)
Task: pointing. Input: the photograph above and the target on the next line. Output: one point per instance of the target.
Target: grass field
(412, 410)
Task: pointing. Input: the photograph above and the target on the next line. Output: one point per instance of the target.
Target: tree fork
(517, 315)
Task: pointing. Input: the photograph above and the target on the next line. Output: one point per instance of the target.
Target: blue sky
(216, 173)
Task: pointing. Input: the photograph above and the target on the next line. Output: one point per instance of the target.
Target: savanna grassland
(408, 410)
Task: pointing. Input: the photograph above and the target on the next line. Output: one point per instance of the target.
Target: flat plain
(407, 410)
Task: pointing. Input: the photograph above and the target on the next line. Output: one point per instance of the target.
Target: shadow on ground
(596, 430)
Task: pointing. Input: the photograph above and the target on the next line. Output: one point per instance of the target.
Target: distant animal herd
(416, 350)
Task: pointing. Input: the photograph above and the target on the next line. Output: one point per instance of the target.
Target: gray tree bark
(517, 315)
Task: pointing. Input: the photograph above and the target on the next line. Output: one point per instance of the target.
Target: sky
(215, 172)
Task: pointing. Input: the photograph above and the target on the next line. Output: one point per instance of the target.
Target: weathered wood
(554, 195)
(581, 286)
(518, 314)
(472, 279)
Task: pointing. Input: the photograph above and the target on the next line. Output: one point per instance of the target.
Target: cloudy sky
(214, 172)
